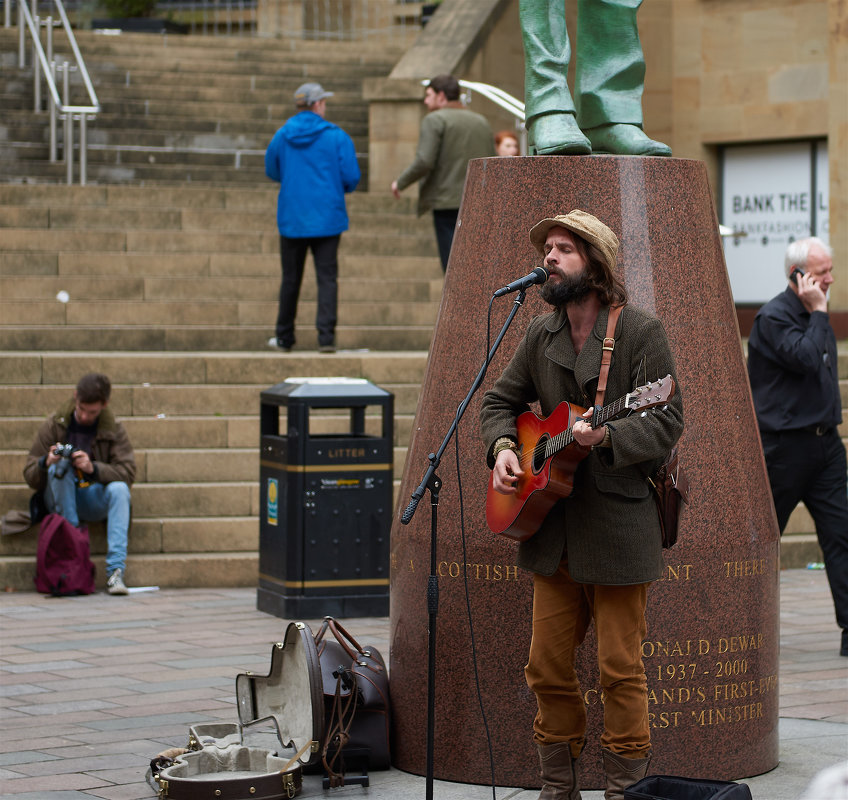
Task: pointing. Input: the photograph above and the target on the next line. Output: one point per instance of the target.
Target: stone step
(33, 171)
(178, 465)
(239, 49)
(174, 400)
(206, 534)
(228, 369)
(266, 265)
(220, 196)
(106, 154)
(184, 87)
(162, 288)
(59, 217)
(194, 339)
(198, 433)
(279, 83)
(275, 111)
(196, 241)
(156, 500)
(21, 124)
(168, 570)
(254, 49)
(209, 316)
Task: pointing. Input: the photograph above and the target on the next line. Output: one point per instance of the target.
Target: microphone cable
(486, 362)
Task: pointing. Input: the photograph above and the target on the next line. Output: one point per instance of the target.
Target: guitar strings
(544, 448)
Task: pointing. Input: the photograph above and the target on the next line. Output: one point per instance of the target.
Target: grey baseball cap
(310, 93)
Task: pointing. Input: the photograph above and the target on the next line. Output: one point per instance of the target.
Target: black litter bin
(325, 499)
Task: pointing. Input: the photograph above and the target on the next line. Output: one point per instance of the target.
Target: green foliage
(129, 8)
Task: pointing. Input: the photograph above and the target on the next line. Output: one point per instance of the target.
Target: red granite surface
(712, 649)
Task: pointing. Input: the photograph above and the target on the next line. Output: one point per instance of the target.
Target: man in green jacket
(90, 479)
(450, 137)
(597, 551)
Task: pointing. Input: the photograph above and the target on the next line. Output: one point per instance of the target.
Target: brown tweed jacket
(608, 529)
(112, 452)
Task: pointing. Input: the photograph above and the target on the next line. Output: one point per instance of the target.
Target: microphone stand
(432, 482)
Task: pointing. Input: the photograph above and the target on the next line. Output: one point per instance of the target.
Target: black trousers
(293, 257)
(804, 466)
(444, 221)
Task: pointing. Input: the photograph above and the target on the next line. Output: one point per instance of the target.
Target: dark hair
(94, 388)
(447, 84)
(501, 135)
(601, 277)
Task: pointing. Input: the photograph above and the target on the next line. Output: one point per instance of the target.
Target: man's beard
(568, 289)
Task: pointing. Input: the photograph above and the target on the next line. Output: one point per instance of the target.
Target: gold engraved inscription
(719, 716)
(705, 682)
(676, 572)
(478, 572)
(454, 569)
(395, 565)
(744, 569)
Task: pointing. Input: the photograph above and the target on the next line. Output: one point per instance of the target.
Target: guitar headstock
(651, 394)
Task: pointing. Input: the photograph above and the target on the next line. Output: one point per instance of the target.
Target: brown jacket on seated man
(83, 462)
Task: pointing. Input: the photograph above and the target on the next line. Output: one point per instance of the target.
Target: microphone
(538, 275)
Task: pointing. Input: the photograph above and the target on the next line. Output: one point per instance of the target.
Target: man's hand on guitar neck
(585, 434)
(506, 472)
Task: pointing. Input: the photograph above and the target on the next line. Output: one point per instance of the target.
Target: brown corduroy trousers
(562, 611)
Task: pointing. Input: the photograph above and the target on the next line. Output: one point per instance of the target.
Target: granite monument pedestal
(711, 654)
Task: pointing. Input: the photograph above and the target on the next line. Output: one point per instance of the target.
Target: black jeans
(444, 221)
(293, 257)
(804, 466)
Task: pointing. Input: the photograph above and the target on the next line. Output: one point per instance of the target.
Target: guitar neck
(566, 437)
(609, 412)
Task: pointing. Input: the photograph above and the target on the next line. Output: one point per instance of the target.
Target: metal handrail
(500, 98)
(42, 63)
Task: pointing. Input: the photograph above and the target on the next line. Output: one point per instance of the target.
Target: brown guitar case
(220, 764)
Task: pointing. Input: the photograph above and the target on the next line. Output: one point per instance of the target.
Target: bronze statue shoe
(623, 139)
(557, 134)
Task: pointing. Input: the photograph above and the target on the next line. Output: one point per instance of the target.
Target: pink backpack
(63, 565)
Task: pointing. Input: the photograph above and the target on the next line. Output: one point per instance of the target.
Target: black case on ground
(670, 787)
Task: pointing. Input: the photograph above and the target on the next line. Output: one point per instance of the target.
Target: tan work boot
(559, 772)
(622, 773)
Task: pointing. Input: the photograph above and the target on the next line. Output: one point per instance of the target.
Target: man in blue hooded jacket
(315, 164)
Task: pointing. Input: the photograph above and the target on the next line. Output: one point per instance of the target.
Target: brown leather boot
(622, 773)
(559, 772)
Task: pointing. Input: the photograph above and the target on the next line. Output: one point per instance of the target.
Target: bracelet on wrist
(504, 443)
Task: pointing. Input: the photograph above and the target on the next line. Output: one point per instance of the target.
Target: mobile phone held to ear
(793, 276)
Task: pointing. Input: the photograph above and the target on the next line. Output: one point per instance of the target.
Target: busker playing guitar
(596, 551)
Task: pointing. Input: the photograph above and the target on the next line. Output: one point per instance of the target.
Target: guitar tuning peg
(665, 407)
(644, 414)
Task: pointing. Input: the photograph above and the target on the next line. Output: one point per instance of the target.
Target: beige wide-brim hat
(584, 225)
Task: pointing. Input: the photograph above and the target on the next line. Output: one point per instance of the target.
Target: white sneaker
(115, 584)
(275, 344)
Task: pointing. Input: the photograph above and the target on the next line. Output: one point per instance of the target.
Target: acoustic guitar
(549, 457)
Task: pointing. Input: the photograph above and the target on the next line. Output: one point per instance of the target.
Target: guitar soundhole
(539, 453)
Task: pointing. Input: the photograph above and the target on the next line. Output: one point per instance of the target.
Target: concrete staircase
(170, 260)
(183, 108)
(173, 294)
(197, 268)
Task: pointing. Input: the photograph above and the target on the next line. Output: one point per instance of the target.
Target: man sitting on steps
(95, 485)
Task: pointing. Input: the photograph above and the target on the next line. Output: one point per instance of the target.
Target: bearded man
(598, 550)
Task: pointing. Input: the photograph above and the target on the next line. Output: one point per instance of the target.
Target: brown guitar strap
(606, 355)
